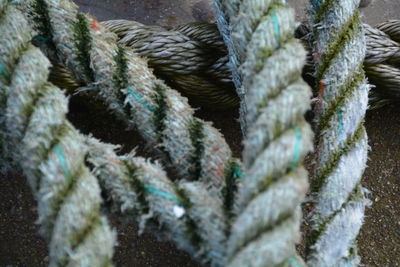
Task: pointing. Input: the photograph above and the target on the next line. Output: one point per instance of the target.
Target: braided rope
(192, 58)
(341, 145)
(50, 152)
(267, 229)
(122, 79)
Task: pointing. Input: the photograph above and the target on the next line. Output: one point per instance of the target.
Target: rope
(62, 166)
(267, 227)
(381, 63)
(195, 149)
(182, 211)
(338, 45)
(191, 58)
(220, 94)
(50, 152)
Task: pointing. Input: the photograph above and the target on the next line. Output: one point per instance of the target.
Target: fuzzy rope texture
(195, 149)
(181, 57)
(381, 63)
(192, 58)
(278, 137)
(338, 45)
(183, 211)
(50, 151)
(62, 166)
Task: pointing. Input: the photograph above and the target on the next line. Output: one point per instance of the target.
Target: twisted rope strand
(192, 58)
(267, 229)
(341, 145)
(50, 152)
(183, 212)
(160, 114)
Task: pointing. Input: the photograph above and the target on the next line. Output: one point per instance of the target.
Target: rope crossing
(192, 58)
(338, 43)
(50, 151)
(277, 139)
(195, 149)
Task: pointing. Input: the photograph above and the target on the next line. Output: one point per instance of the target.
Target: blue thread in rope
(4, 71)
(63, 162)
(297, 148)
(277, 29)
(294, 262)
(237, 172)
(155, 191)
(141, 100)
(40, 38)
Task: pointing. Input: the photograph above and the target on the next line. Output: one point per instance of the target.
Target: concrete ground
(379, 240)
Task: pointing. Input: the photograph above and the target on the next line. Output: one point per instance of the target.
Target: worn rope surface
(56, 159)
(182, 211)
(50, 151)
(271, 60)
(192, 58)
(338, 45)
(122, 79)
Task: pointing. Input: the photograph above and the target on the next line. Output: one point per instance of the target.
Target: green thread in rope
(294, 262)
(297, 148)
(63, 162)
(40, 38)
(277, 29)
(4, 72)
(237, 172)
(155, 191)
(141, 100)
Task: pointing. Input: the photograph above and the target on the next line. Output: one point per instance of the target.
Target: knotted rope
(183, 212)
(192, 58)
(50, 151)
(271, 60)
(195, 149)
(57, 161)
(338, 45)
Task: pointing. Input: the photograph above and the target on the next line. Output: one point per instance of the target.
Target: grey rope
(267, 229)
(122, 79)
(192, 58)
(338, 45)
(50, 151)
(183, 212)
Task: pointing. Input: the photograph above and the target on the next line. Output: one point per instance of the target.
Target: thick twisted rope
(55, 159)
(267, 227)
(122, 79)
(192, 58)
(381, 63)
(212, 86)
(50, 151)
(338, 45)
(183, 211)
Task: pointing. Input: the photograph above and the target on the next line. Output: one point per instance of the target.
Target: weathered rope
(55, 157)
(338, 45)
(182, 211)
(191, 58)
(278, 137)
(213, 86)
(381, 63)
(122, 79)
(50, 151)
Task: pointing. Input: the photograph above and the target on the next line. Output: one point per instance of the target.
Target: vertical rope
(277, 139)
(339, 49)
(50, 152)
